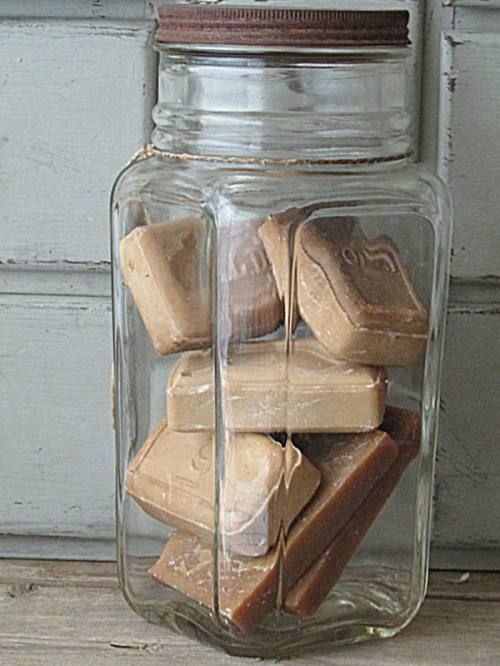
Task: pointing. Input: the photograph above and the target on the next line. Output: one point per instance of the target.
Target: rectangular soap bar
(357, 295)
(265, 487)
(309, 592)
(350, 466)
(278, 233)
(314, 393)
(166, 267)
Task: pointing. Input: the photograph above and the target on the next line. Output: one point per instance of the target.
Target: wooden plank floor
(72, 613)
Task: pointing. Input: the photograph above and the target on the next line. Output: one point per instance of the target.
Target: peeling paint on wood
(57, 445)
(484, 4)
(89, 9)
(61, 278)
(87, 82)
(469, 144)
(468, 467)
(73, 110)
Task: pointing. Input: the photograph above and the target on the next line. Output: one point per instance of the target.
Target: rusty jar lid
(301, 28)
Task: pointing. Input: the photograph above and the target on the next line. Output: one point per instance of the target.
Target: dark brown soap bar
(311, 590)
(350, 465)
(403, 425)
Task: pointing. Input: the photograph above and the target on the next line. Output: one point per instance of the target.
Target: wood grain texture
(469, 144)
(74, 106)
(60, 613)
(57, 450)
(59, 547)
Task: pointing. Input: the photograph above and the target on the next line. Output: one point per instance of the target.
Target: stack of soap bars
(307, 451)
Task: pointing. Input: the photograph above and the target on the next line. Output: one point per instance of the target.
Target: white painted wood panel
(469, 145)
(73, 96)
(481, 17)
(468, 470)
(57, 455)
(74, 106)
(484, 4)
(95, 9)
(61, 278)
(56, 474)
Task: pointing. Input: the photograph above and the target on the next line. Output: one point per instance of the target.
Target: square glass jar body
(306, 309)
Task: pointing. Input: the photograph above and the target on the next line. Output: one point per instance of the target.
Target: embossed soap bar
(166, 268)
(313, 587)
(278, 233)
(349, 467)
(357, 295)
(265, 485)
(263, 392)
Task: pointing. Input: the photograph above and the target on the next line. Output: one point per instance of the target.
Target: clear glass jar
(280, 270)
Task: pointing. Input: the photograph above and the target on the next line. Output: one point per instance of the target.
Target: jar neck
(338, 107)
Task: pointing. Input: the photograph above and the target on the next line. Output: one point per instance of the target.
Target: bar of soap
(265, 488)
(316, 393)
(306, 596)
(277, 234)
(248, 587)
(357, 295)
(166, 268)
(403, 425)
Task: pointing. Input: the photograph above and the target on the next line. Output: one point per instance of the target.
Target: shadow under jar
(280, 269)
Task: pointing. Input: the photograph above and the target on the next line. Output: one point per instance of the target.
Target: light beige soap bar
(266, 486)
(260, 393)
(166, 269)
(350, 466)
(357, 295)
(277, 234)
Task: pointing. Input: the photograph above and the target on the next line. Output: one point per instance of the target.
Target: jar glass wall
(280, 272)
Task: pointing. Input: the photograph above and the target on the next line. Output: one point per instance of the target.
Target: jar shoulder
(157, 176)
(410, 184)
(423, 180)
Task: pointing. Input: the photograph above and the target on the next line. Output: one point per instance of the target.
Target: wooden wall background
(77, 82)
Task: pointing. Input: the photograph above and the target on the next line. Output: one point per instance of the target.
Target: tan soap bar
(166, 268)
(266, 485)
(306, 596)
(349, 466)
(277, 233)
(313, 393)
(357, 295)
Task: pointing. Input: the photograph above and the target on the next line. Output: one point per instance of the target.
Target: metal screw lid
(302, 28)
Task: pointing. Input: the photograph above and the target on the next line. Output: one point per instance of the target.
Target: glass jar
(280, 271)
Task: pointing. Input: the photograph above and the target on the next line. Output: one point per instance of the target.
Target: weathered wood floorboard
(72, 613)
